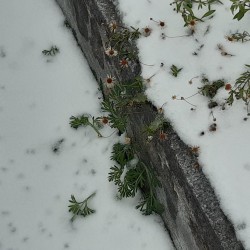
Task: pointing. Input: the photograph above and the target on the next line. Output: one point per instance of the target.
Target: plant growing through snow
(80, 208)
(52, 51)
(241, 89)
(175, 71)
(131, 175)
(239, 37)
(185, 8)
(86, 120)
(242, 6)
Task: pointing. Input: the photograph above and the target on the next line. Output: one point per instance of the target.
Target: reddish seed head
(162, 24)
(195, 149)
(160, 110)
(162, 136)
(228, 86)
(124, 62)
(105, 120)
(146, 31)
(229, 38)
(109, 80)
(192, 22)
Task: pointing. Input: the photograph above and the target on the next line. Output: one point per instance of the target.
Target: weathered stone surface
(192, 213)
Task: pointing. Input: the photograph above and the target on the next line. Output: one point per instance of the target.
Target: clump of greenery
(241, 89)
(51, 52)
(122, 153)
(86, 120)
(185, 8)
(155, 125)
(210, 88)
(121, 41)
(241, 6)
(238, 36)
(80, 208)
(175, 71)
(121, 96)
(130, 177)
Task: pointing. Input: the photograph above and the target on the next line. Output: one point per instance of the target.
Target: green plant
(115, 116)
(210, 88)
(155, 125)
(122, 153)
(80, 208)
(121, 96)
(51, 52)
(175, 71)
(242, 37)
(86, 120)
(130, 177)
(149, 202)
(241, 6)
(185, 7)
(66, 24)
(241, 89)
(121, 41)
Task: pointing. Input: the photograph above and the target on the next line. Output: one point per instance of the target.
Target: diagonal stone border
(192, 212)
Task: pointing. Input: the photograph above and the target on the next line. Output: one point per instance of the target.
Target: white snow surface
(224, 154)
(37, 97)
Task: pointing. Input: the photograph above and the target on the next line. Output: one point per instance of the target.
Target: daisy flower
(110, 81)
(111, 52)
(124, 63)
(113, 26)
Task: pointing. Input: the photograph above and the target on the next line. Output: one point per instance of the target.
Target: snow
(38, 96)
(224, 153)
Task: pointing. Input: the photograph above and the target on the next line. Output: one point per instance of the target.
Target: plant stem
(96, 130)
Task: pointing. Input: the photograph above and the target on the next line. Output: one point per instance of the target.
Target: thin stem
(96, 130)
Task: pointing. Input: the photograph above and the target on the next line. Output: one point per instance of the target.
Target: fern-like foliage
(119, 98)
(80, 208)
(122, 153)
(80, 121)
(131, 178)
(51, 52)
(116, 118)
(241, 89)
(122, 40)
(86, 120)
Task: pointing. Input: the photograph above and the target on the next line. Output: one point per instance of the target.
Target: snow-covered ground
(224, 153)
(38, 94)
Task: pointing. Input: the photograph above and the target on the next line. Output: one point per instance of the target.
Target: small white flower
(150, 138)
(111, 52)
(127, 140)
(146, 31)
(113, 26)
(110, 81)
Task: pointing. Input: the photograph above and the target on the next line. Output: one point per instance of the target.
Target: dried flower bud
(228, 86)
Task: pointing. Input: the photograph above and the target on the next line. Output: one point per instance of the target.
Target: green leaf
(208, 13)
(80, 208)
(76, 122)
(239, 15)
(122, 153)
